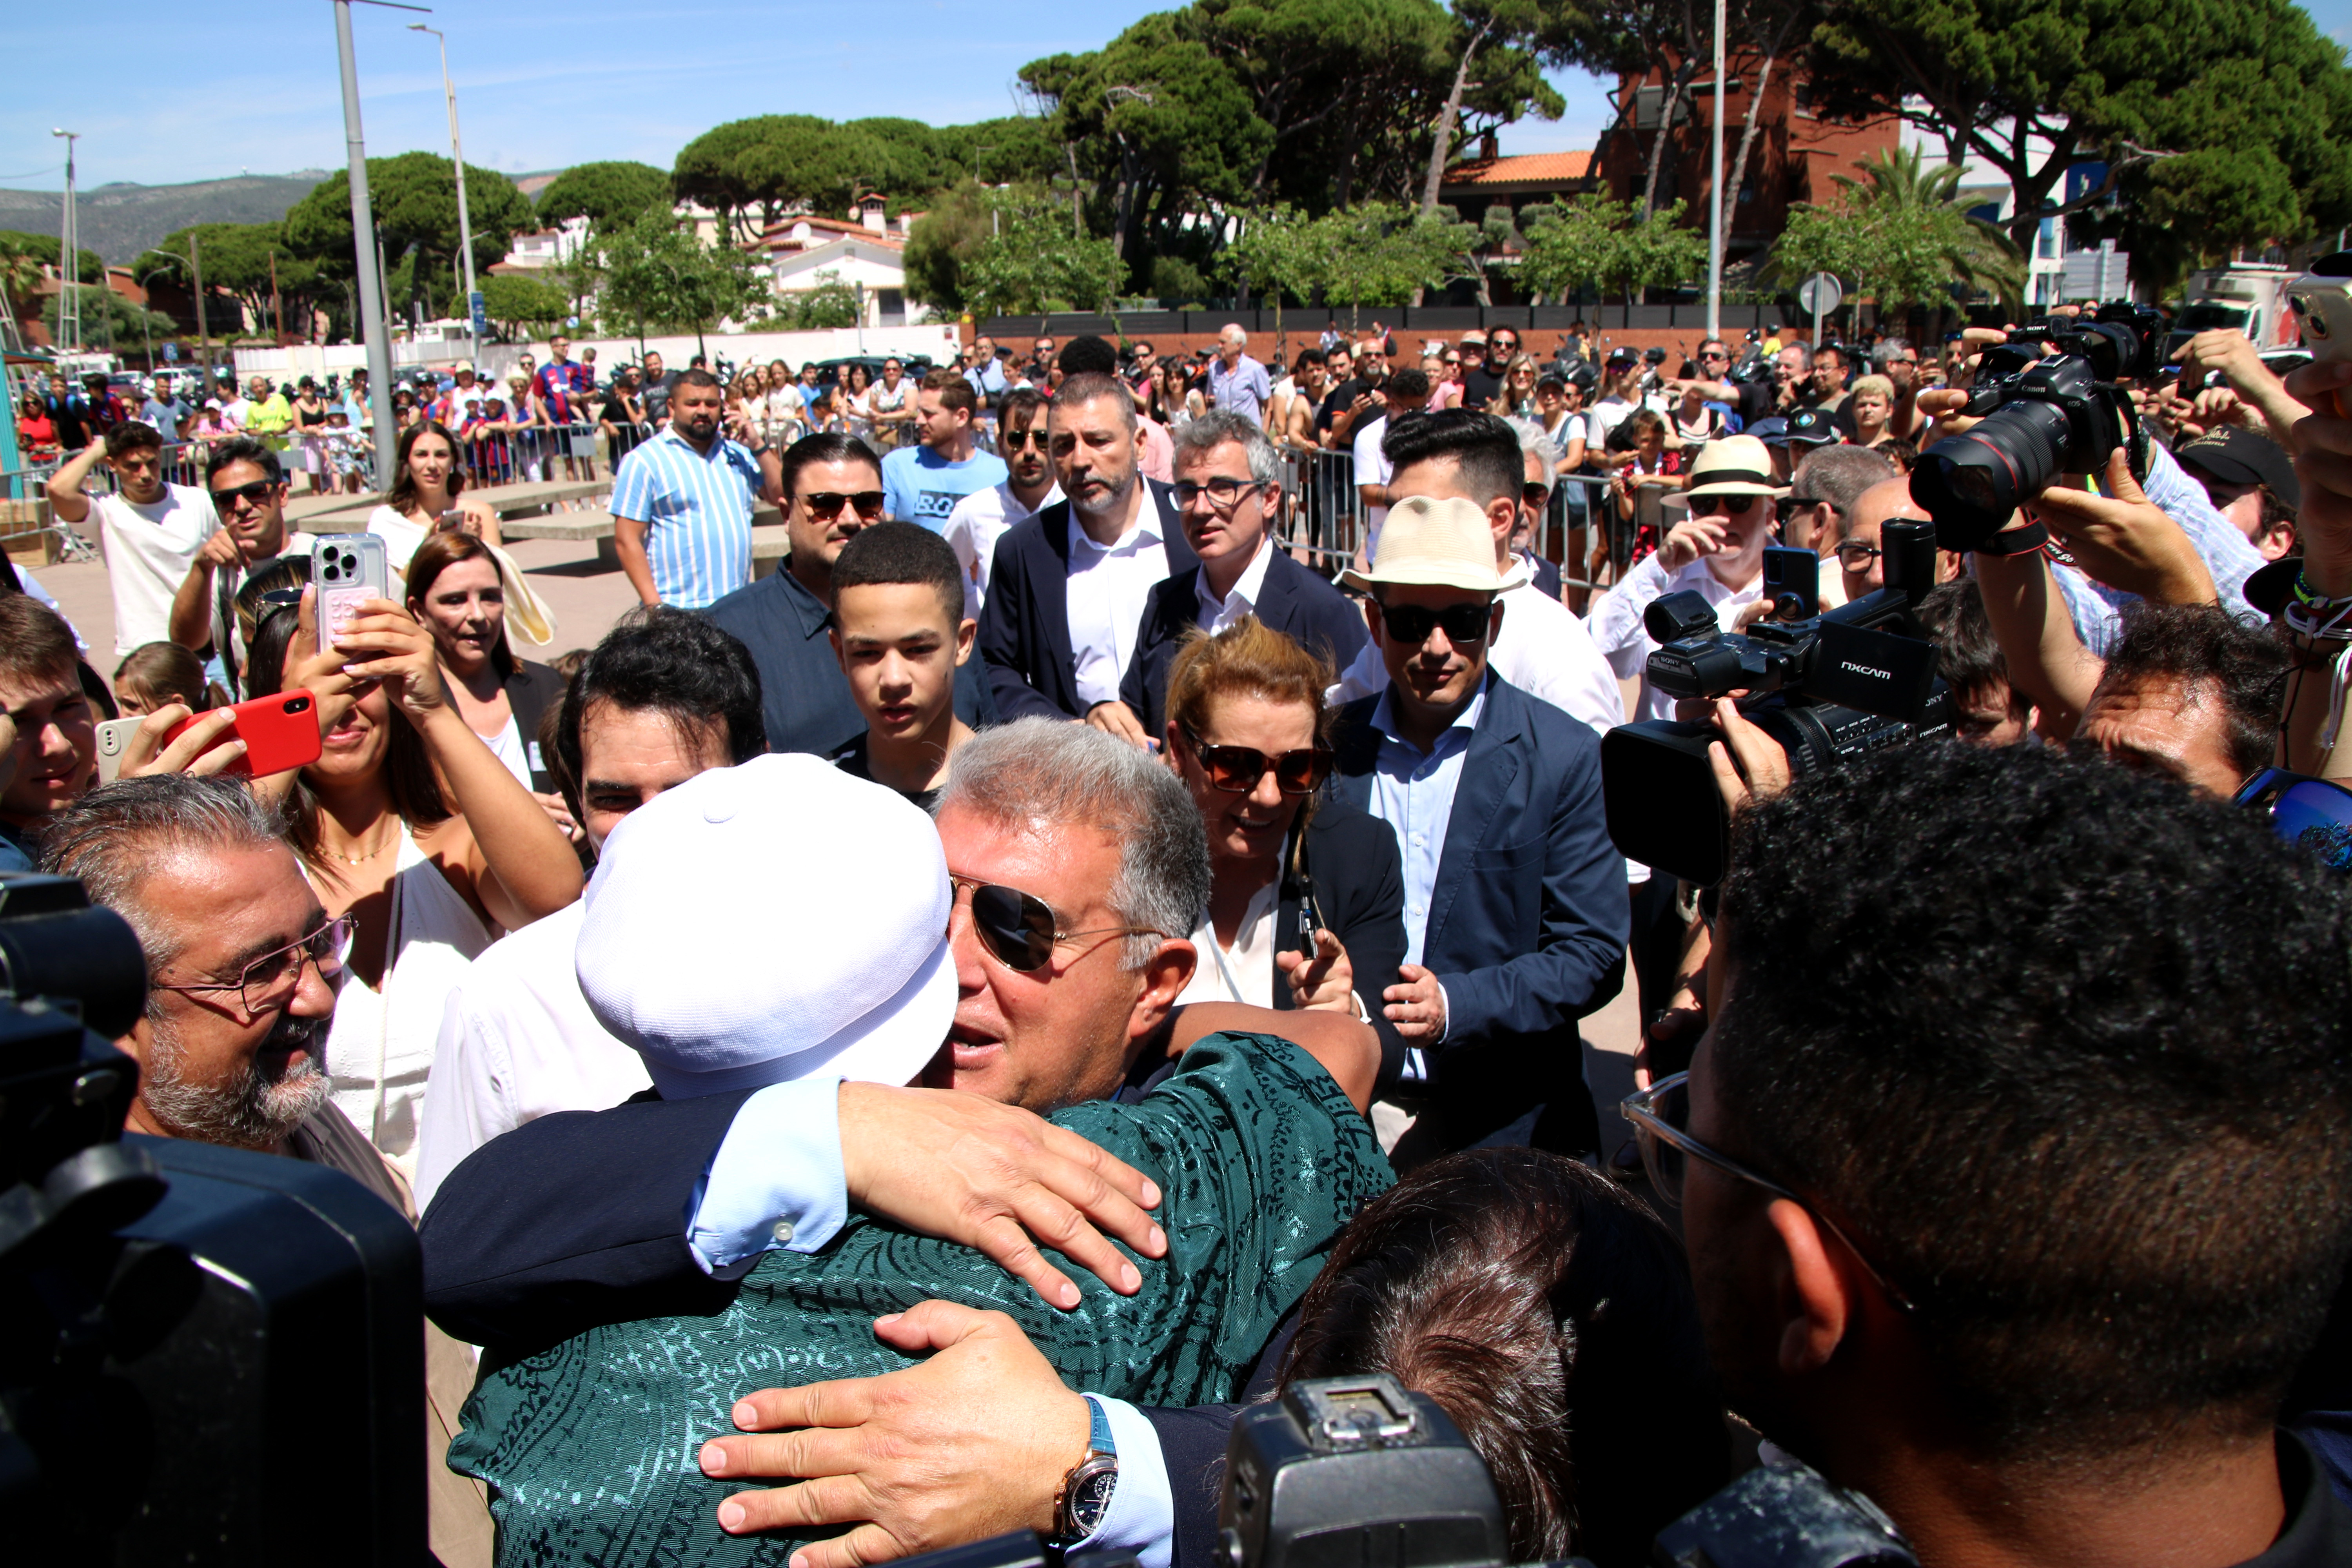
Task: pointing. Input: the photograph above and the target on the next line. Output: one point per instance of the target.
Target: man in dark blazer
(1516, 908)
(1228, 491)
(783, 617)
(1058, 629)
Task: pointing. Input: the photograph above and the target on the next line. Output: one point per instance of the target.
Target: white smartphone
(2321, 300)
(113, 740)
(347, 569)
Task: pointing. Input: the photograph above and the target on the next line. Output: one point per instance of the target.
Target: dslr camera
(2042, 416)
(1828, 688)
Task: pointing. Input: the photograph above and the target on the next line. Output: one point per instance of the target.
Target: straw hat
(1734, 466)
(1445, 543)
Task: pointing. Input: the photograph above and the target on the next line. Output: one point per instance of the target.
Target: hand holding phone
(347, 569)
(257, 737)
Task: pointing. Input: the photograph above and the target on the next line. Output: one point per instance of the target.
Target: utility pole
(276, 304)
(68, 261)
(203, 334)
(458, 156)
(1715, 189)
(379, 338)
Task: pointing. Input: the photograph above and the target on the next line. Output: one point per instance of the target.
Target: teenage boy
(148, 529)
(900, 633)
(925, 481)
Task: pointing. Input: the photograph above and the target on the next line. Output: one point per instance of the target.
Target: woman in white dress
(428, 479)
(430, 878)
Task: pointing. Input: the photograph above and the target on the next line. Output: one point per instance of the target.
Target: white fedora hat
(1444, 543)
(1734, 465)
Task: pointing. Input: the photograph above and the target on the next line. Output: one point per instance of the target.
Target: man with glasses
(924, 481)
(247, 489)
(1856, 546)
(1751, 400)
(1717, 553)
(832, 487)
(1029, 487)
(1515, 906)
(1829, 484)
(682, 503)
(1228, 493)
(150, 532)
(2020, 1269)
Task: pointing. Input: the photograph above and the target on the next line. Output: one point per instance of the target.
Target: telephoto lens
(2056, 418)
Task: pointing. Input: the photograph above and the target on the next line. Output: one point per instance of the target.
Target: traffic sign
(170, 353)
(481, 318)
(1820, 295)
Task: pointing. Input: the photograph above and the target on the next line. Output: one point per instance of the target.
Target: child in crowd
(899, 630)
(158, 674)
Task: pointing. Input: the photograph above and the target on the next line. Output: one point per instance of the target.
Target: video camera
(2042, 416)
(1828, 688)
(206, 1356)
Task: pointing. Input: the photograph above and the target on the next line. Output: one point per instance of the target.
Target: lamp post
(363, 247)
(458, 156)
(68, 261)
(1715, 189)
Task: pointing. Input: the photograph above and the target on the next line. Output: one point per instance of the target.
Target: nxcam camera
(1828, 688)
(2041, 417)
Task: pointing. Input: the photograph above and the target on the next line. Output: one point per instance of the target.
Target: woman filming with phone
(1307, 897)
(427, 479)
(409, 822)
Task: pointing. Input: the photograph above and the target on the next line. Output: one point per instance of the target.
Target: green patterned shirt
(589, 1449)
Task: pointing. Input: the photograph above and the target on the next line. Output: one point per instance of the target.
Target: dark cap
(2236, 456)
(1812, 427)
(1772, 432)
(1624, 355)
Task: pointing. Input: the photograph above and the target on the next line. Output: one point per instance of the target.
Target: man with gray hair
(1541, 455)
(1821, 501)
(1076, 864)
(1228, 494)
(1237, 382)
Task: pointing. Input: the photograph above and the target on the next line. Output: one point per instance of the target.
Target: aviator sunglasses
(1019, 929)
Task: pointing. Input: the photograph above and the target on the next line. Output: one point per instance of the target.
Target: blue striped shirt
(697, 508)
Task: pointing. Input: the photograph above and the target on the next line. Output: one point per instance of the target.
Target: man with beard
(242, 963)
(982, 518)
(682, 503)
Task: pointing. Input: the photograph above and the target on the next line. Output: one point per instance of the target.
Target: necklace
(390, 840)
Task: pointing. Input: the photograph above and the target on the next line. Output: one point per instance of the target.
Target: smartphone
(113, 740)
(451, 522)
(348, 569)
(281, 732)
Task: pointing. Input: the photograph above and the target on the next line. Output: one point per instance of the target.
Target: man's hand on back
(971, 1443)
(992, 1177)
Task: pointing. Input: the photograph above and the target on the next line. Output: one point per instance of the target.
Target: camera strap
(2017, 540)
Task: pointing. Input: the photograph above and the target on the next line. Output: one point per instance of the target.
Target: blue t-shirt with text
(922, 487)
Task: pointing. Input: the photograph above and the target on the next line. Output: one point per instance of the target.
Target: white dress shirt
(975, 525)
(1109, 586)
(1617, 620)
(1372, 468)
(1243, 972)
(1215, 614)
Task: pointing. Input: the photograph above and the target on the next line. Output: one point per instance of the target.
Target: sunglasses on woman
(1412, 623)
(1019, 928)
(1236, 770)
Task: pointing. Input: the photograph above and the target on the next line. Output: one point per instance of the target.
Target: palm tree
(1901, 189)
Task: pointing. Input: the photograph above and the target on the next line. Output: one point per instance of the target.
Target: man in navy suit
(1067, 589)
(1228, 491)
(1516, 911)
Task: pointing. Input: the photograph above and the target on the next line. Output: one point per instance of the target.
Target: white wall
(497, 359)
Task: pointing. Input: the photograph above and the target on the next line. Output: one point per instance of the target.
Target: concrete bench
(769, 544)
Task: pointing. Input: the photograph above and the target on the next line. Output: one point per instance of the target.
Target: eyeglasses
(1786, 507)
(1707, 506)
(1412, 623)
(1237, 769)
(1713, 354)
(1019, 928)
(1856, 556)
(1658, 1114)
(1014, 440)
(2313, 815)
(272, 979)
(257, 493)
(1224, 493)
(1534, 494)
(828, 503)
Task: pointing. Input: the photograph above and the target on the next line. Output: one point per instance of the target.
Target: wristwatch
(1084, 1500)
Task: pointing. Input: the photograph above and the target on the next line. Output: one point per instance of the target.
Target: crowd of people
(1052, 913)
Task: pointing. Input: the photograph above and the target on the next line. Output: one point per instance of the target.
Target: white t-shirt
(975, 525)
(1617, 619)
(401, 537)
(149, 549)
(1243, 972)
(1601, 418)
(518, 1042)
(1372, 468)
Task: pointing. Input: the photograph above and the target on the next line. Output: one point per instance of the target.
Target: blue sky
(213, 93)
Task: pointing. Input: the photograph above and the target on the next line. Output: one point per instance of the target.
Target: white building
(802, 253)
(2059, 269)
(544, 247)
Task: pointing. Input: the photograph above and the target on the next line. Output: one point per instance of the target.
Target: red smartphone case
(279, 733)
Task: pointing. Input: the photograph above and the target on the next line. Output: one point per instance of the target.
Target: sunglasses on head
(255, 492)
(828, 503)
(1019, 928)
(1237, 769)
(1412, 623)
(1707, 506)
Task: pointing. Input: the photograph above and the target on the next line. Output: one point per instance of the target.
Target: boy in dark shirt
(899, 630)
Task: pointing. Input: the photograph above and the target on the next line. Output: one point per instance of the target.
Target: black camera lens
(1971, 484)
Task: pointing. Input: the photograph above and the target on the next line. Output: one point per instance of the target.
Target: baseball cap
(1772, 432)
(1426, 541)
(733, 950)
(2239, 457)
(1812, 427)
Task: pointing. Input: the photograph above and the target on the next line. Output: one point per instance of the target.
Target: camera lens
(1971, 484)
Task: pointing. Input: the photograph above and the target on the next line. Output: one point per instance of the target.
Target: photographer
(2031, 1273)
(2251, 387)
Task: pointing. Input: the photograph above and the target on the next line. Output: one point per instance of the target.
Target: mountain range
(121, 220)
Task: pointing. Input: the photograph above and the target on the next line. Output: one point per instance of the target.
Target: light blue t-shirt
(923, 487)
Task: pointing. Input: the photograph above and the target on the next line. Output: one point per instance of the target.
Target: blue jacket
(1293, 601)
(1527, 921)
(1024, 626)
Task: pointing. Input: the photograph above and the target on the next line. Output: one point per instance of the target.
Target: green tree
(831, 303)
(609, 195)
(1596, 242)
(414, 201)
(517, 305)
(108, 320)
(1383, 253)
(943, 241)
(1902, 235)
(1277, 255)
(656, 273)
(1033, 263)
(43, 248)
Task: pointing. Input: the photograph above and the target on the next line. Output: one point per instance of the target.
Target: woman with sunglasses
(428, 476)
(1307, 904)
(410, 823)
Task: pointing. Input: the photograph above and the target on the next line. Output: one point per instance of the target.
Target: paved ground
(587, 597)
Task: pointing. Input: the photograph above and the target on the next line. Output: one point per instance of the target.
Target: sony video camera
(2041, 416)
(206, 1356)
(1828, 688)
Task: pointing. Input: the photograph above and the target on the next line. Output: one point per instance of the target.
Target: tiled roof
(1532, 168)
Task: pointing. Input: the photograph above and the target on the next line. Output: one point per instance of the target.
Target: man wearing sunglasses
(1228, 487)
(925, 480)
(832, 487)
(2025, 1254)
(982, 518)
(248, 492)
(1515, 906)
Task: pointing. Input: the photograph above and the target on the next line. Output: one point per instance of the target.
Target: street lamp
(363, 247)
(68, 261)
(458, 156)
